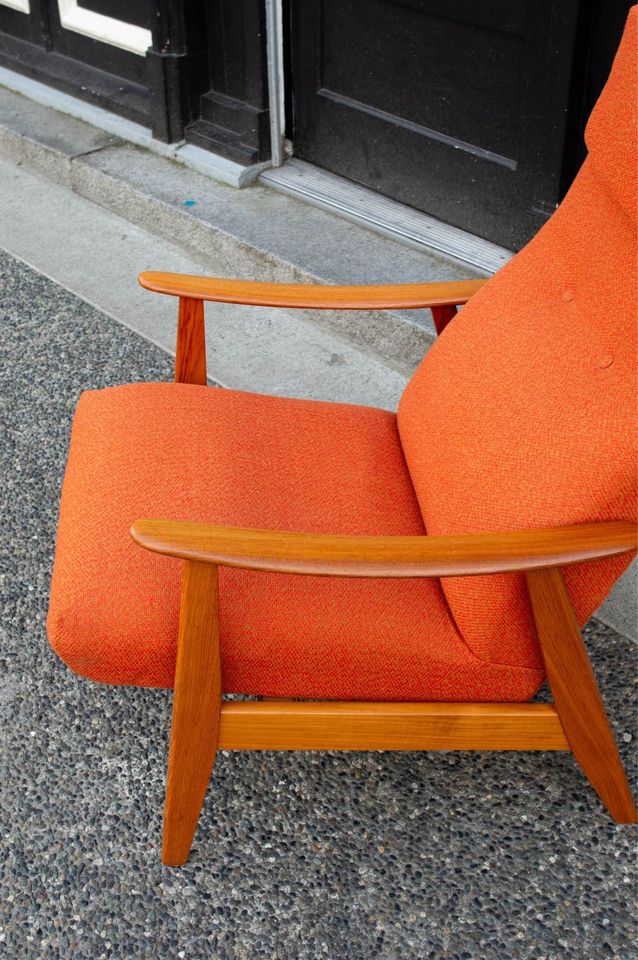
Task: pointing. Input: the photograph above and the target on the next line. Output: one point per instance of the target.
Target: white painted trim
(127, 36)
(22, 5)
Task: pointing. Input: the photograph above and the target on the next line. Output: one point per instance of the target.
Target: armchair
(385, 582)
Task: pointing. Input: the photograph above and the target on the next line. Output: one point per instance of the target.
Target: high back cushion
(523, 413)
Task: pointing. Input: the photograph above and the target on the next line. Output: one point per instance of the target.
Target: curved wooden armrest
(313, 296)
(449, 556)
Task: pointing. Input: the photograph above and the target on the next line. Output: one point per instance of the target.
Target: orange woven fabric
(523, 414)
(199, 453)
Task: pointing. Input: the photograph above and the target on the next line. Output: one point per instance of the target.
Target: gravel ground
(459, 856)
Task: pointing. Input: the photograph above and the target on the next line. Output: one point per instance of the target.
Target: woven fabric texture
(200, 453)
(523, 414)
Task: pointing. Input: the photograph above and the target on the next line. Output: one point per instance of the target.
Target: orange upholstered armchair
(395, 582)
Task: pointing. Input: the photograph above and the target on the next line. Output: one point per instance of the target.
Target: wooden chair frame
(202, 722)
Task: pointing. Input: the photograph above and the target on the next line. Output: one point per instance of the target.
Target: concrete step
(256, 232)
(98, 255)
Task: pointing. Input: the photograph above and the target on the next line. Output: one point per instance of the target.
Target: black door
(454, 107)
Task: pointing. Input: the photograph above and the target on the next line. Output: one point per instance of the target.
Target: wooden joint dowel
(196, 710)
(576, 695)
(442, 316)
(190, 352)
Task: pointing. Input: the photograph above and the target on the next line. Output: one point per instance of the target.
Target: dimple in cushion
(199, 453)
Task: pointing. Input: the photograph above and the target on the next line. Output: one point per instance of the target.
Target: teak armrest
(401, 296)
(190, 354)
(447, 556)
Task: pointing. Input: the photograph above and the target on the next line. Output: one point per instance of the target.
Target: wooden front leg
(576, 696)
(196, 710)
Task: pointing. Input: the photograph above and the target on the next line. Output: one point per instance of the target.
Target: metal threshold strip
(365, 207)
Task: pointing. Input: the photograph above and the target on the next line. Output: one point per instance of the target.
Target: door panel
(94, 43)
(456, 108)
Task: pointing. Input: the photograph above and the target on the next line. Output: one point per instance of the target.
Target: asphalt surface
(297, 856)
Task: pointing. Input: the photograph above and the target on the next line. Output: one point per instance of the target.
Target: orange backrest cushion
(523, 413)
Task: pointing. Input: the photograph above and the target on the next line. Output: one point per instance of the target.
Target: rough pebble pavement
(359, 856)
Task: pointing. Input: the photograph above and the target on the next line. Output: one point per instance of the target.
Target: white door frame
(22, 5)
(117, 33)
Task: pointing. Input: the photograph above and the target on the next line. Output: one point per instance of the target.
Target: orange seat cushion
(523, 413)
(199, 453)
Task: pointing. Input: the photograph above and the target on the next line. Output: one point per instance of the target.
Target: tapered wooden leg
(190, 350)
(196, 710)
(576, 695)
(441, 317)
